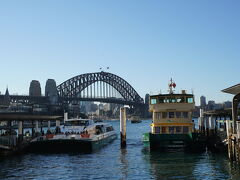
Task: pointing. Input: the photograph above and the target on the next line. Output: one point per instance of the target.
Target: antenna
(171, 86)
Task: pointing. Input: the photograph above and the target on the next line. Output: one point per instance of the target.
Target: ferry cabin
(172, 113)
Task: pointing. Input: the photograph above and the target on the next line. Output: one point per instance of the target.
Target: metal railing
(9, 141)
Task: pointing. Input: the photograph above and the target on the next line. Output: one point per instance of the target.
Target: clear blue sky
(197, 43)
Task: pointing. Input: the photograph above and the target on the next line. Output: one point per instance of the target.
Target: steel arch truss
(74, 86)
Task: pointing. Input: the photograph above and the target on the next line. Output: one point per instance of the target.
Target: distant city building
(94, 107)
(202, 101)
(35, 88)
(227, 104)
(51, 91)
(147, 98)
(218, 106)
(211, 105)
(6, 99)
(51, 88)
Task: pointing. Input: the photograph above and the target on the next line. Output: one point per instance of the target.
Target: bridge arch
(73, 87)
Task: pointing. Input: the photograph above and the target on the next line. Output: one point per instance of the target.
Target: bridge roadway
(44, 99)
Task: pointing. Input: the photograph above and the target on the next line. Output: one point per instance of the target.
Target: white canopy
(233, 89)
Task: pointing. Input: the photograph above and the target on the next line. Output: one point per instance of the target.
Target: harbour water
(111, 162)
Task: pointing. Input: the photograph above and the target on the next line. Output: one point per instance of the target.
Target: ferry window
(164, 115)
(161, 100)
(157, 115)
(178, 129)
(185, 114)
(157, 130)
(153, 101)
(163, 129)
(190, 100)
(173, 100)
(166, 100)
(171, 130)
(185, 129)
(178, 114)
(179, 100)
(110, 128)
(171, 114)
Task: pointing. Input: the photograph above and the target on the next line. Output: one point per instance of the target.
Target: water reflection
(205, 166)
(123, 163)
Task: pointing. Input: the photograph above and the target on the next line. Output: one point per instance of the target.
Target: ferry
(172, 126)
(76, 135)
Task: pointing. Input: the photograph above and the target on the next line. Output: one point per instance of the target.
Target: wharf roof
(233, 89)
(26, 117)
(219, 112)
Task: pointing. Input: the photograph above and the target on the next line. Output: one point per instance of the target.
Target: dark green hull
(70, 145)
(191, 142)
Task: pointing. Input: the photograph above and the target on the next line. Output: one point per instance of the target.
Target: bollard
(123, 127)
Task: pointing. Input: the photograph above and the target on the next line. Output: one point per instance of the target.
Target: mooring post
(201, 121)
(20, 132)
(49, 124)
(36, 125)
(123, 127)
(65, 116)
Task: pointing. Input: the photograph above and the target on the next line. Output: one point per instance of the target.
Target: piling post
(229, 138)
(123, 127)
(36, 128)
(57, 123)
(207, 126)
(20, 132)
(65, 116)
(36, 125)
(57, 129)
(49, 124)
(200, 121)
(41, 127)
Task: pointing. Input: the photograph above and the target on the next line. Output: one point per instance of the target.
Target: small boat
(172, 127)
(135, 119)
(76, 135)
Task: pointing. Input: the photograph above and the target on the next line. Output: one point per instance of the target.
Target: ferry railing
(9, 141)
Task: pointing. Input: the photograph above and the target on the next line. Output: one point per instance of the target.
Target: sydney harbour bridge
(99, 87)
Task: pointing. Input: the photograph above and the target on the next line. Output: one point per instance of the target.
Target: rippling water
(110, 162)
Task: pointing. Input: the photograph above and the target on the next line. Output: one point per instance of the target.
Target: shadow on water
(186, 166)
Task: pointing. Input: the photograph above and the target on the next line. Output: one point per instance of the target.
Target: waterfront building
(202, 101)
(35, 88)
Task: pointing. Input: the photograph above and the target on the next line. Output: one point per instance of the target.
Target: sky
(196, 43)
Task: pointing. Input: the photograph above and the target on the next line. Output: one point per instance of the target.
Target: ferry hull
(191, 142)
(68, 145)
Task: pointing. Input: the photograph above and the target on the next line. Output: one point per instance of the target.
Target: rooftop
(233, 89)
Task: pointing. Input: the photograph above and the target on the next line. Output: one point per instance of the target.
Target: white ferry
(76, 135)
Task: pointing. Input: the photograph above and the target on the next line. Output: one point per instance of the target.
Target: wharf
(222, 127)
(12, 142)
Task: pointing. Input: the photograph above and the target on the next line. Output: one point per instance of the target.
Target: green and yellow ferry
(172, 127)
